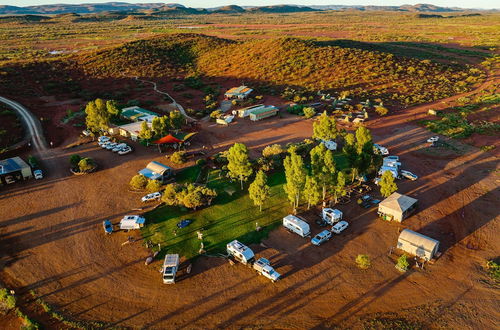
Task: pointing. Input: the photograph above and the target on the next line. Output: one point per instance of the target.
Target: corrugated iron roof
(398, 202)
(418, 239)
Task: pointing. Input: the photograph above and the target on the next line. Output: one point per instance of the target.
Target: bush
(216, 114)
(74, 160)
(178, 157)
(8, 300)
(493, 269)
(86, 164)
(403, 264)
(188, 195)
(309, 112)
(363, 261)
(273, 151)
(138, 182)
(382, 111)
(201, 162)
(153, 186)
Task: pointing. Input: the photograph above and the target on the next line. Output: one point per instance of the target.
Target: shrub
(216, 114)
(86, 164)
(402, 263)
(188, 195)
(487, 148)
(153, 186)
(178, 157)
(381, 110)
(74, 160)
(363, 261)
(493, 269)
(309, 112)
(8, 300)
(138, 182)
(273, 150)
(201, 162)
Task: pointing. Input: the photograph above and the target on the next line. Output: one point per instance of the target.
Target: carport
(13, 170)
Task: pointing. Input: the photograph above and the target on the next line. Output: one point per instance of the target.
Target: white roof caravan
(170, 266)
(331, 216)
(241, 252)
(296, 225)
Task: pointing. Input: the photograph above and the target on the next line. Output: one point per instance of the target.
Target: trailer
(170, 267)
(130, 222)
(245, 112)
(296, 225)
(240, 252)
(331, 216)
(262, 113)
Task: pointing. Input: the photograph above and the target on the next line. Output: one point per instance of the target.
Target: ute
(263, 267)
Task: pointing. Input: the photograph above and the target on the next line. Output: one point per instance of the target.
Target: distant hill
(281, 9)
(178, 9)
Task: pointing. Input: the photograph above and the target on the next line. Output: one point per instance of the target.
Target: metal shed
(397, 207)
(157, 171)
(14, 169)
(417, 244)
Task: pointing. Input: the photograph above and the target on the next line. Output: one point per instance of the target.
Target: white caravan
(331, 216)
(170, 266)
(129, 222)
(240, 252)
(296, 225)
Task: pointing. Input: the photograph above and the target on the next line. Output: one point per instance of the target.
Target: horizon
(468, 4)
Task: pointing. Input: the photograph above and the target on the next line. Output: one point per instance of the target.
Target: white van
(296, 225)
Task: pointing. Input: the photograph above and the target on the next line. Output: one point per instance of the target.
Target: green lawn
(232, 215)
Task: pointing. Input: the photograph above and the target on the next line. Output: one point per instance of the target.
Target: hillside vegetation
(276, 63)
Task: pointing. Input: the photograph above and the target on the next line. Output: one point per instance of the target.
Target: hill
(178, 9)
(276, 63)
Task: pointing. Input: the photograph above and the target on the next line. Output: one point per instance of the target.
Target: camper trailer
(170, 266)
(240, 252)
(296, 225)
(129, 222)
(331, 216)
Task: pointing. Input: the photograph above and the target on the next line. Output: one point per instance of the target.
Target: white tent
(417, 244)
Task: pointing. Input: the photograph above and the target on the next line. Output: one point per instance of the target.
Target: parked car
(322, 237)
(391, 159)
(125, 151)
(102, 140)
(86, 132)
(151, 197)
(409, 175)
(119, 147)
(340, 227)
(108, 226)
(111, 145)
(184, 223)
(380, 149)
(104, 144)
(38, 174)
(433, 139)
(377, 180)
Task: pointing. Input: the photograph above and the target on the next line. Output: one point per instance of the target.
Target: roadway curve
(174, 102)
(31, 123)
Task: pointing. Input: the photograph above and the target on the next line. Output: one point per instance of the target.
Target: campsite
(178, 146)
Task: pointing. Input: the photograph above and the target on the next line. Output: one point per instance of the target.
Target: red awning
(168, 139)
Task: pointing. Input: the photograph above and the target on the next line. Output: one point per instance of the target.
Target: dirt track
(52, 242)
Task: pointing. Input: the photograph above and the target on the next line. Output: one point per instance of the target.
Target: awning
(175, 138)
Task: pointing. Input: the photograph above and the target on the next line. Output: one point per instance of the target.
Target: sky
(486, 4)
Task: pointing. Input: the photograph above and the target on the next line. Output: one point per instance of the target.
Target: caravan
(170, 266)
(296, 225)
(240, 252)
(331, 216)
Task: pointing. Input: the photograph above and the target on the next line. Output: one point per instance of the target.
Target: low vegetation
(363, 261)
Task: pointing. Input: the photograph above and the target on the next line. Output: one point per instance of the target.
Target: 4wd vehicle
(125, 151)
(111, 145)
(108, 226)
(409, 175)
(433, 139)
(340, 227)
(377, 148)
(322, 237)
(119, 147)
(38, 174)
(151, 197)
(263, 267)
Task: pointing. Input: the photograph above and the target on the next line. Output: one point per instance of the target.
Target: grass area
(188, 174)
(231, 216)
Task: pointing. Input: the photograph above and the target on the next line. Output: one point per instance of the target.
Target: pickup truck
(263, 267)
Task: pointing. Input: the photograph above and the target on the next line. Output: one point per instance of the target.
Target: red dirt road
(52, 242)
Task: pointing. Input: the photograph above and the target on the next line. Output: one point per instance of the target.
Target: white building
(417, 244)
